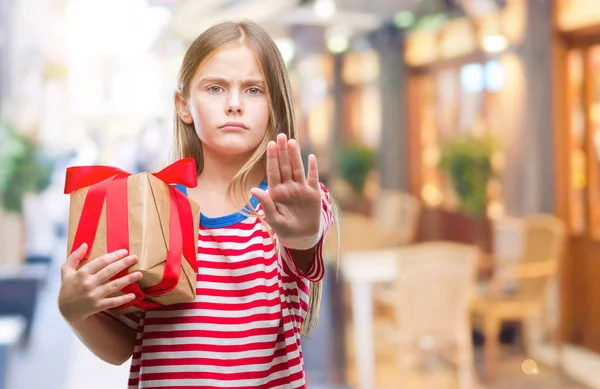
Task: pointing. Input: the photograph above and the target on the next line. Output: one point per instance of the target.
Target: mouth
(233, 126)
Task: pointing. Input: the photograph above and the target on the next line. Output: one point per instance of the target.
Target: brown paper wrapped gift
(145, 214)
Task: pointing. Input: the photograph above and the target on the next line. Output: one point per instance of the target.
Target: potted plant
(468, 163)
(355, 162)
(24, 169)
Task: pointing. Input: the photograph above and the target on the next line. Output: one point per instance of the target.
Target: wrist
(303, 242)
(75, 321)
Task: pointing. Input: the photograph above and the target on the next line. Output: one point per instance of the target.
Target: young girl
(262, 228)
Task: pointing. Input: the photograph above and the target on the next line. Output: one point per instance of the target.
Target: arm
(303, 258)
(86, 298)
(297, 207)
(106, 338)
(309, 263)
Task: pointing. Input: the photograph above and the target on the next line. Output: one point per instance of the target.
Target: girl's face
(228, 102)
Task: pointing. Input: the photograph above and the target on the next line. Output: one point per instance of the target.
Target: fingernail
(122, 252)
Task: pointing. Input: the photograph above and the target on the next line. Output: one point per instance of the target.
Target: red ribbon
(110, 184)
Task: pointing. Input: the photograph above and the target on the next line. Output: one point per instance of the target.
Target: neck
(219, 170)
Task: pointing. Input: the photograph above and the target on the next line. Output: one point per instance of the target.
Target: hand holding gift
(87, 291)
(142, 214)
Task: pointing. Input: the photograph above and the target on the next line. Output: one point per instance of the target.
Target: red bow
(110, 184)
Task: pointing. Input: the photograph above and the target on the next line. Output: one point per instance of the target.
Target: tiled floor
(442, 376)
(510, 376)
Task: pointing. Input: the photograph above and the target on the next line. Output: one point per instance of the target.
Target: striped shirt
(243, 329)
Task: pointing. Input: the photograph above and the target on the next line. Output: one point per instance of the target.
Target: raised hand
(86, 291)
(292, 204)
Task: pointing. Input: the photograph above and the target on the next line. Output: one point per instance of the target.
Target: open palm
(292, 204)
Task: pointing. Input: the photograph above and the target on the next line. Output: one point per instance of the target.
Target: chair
(434, 290)
(529, 280)
(508, 240)
(507, 250)
(359, 232)
(394, 224)
(397, 214)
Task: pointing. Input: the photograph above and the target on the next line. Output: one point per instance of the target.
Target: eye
(215, 89)
(254, 91)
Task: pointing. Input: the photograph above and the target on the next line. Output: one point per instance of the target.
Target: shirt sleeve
(317, 269)
(131, 319)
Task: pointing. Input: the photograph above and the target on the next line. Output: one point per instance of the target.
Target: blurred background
(460, 137)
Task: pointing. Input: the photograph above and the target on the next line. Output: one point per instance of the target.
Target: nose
(234, 105)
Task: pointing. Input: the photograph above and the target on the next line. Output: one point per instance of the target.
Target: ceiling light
(337, 43)
(286, 48)
(324, 9)
(337, 38)
(495, 43)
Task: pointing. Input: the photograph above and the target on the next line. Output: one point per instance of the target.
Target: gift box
(146, 214)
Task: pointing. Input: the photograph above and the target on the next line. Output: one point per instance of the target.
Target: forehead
(236, 61)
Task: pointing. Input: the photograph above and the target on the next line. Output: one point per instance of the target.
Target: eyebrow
(221, 80)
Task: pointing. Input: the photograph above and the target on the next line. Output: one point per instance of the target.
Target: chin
(233, 149)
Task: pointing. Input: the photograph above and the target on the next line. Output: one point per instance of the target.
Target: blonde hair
(282, 120)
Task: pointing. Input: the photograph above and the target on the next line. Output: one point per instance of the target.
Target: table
(361, 270)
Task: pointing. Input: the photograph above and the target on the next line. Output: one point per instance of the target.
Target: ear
(183, 109)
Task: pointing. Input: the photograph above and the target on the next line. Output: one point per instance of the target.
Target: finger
(284, 158)
(114, 268)
(296, 160)
(119, 283)
(74, 259)
(113, 302)
(273, 174)
(266, 201)
(97, 264)
(313, 172)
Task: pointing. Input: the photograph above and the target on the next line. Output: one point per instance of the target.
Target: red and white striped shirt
(243, 329)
